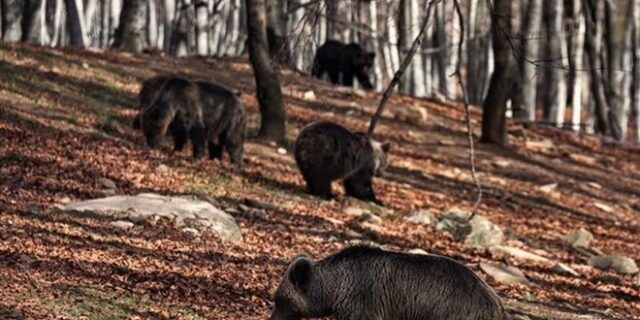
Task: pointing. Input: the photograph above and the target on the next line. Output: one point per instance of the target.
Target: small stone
(504, 274)
(122, 224)
(85, 65)
(421, 217)
(414, 114)
(502, 163)
(282, 151)
(359, 93)
(603, 207)
(594, 185)
(620, 264)
(273, 144)
(477, 232)
(136, 217)
(438, 97)
(352, 234)
(191, 231)
(446, 142)
(64, 200)
(354, 211)
(579, 238)
(309, 95)
(583, 159)
(517, 253)
(162, 168)
(562, 268)
(547, 188)
(543, 145)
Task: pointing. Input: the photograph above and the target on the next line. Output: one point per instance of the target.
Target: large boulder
(185, 211)
(477, 232)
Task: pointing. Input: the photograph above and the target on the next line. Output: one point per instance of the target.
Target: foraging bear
(175, 104)
(346, 60)
(223, 116)
(325, 151)
(369, 283)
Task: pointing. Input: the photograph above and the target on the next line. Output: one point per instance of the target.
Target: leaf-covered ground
(64, 123)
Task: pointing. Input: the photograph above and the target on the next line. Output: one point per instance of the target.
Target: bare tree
(129, 36)
(576, 65)
(168, 17)
(12, 20)
(635, 87)
(524, 104)
(594, 13)
(153, 35)
(554, 90)
(268, 89)
(277, 31)
(77, 27)
(35, 24)
(494, 126)
(202, 35)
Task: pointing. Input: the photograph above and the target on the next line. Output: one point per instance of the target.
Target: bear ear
(386, 146)
(300, 270)
(371, 55)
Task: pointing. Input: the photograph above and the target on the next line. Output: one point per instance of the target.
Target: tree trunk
(554, 89)
(152, 24)
(129, 36)
(76, 23)
(57, 25)
(36, 25)
(277, 32)
(375, 44)
(89, 14)
(616, 36)
(494, 127)
(268, 89)
(12, 20)
(635, 85)
(443, 51)
(524, 105)
(202, 35)
(168, 17)
(576, 65)
(115, 8)
(594, 13)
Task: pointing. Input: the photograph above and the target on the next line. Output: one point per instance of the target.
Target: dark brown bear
(177, 103)
(343, 62)
(325, 152)
(369, 283)
(223, 116)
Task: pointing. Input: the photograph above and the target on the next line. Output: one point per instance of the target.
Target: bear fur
(368, 283)
(176, 104)
(223, 116)
(325, 152)
(343, 62)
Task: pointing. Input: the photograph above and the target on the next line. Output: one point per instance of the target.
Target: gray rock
(191, 231)
(162, 168)
(370, 218)
(107, 183)
(504, 274)
(186, 212)
(501, 163)
(579, 238)
(620, 264)
(122, 224)
(477, 232)
(421, 217)
(413, 113)
(517, 253)
(562, 268)
(354, 211)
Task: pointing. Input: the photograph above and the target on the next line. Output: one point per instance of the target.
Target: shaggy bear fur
(223, 116)
(346, 60)
(325, 151)
(369, 283)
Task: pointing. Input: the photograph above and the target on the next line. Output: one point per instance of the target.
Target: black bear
(176, 104)
(369, 283)
(346, 60)
(223, 116)
(325, 151)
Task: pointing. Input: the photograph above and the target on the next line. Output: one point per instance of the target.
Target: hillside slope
(64, 123)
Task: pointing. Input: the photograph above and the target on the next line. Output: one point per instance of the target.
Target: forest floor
(65, 122)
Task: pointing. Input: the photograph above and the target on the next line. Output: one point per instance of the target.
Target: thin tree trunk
(616, 36)
(277, 32)
(494, 127)
(36, 25)
(374, 43)
(76, 23)
(332, 11)
(405, 41)
(89, 13)
(168, 17)
(594, 11)
(576, 65)
(152, 24)
(441, 42)
(202, 35)
(635, 86)
(554, 85)
(268, 89)
(524, 106)
(129, 36)
(12, 20)
(58, 26)
(114, 18)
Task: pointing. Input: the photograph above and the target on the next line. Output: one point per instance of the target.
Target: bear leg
(197, 141)
(360, 186)
(364, 81)
(347, 78)
(334, 76)
(179, 134)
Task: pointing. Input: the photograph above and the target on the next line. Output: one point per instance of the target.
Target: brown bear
(325, 151)
(343, 62)
(368, 283)
(223, 116)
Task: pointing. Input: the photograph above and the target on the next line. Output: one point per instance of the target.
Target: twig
(458, 75)
(403, 66)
